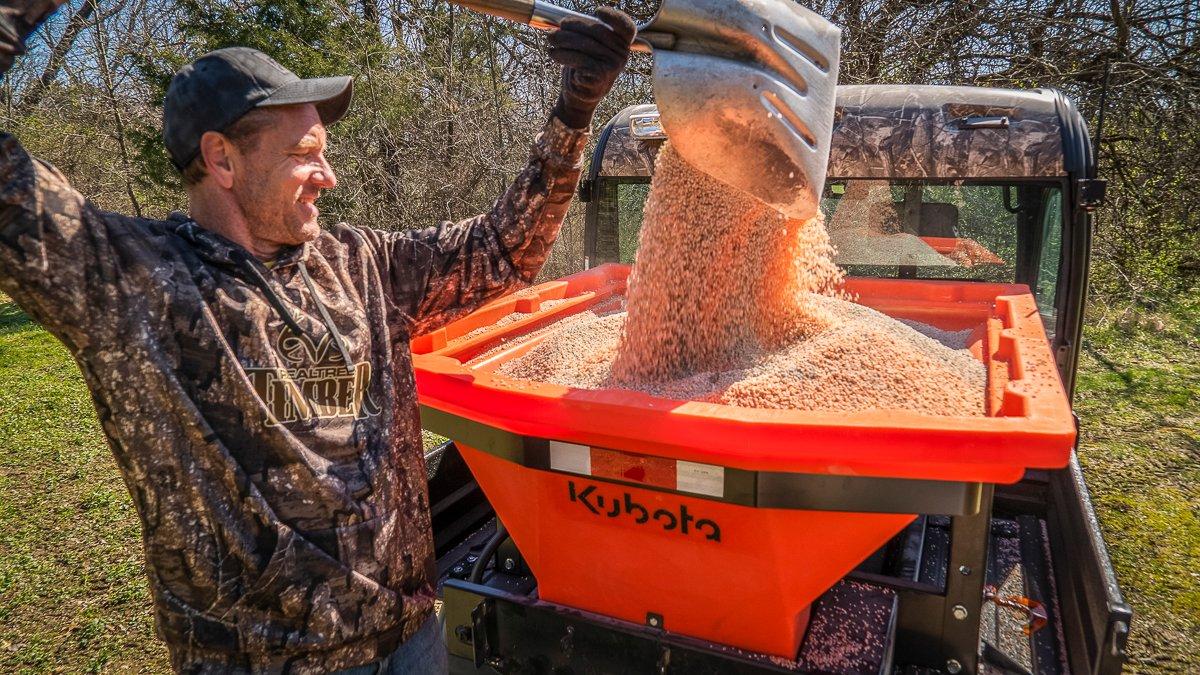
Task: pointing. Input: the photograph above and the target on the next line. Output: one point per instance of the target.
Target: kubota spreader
(612, 531)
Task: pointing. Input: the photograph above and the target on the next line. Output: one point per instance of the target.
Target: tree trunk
(58, 54)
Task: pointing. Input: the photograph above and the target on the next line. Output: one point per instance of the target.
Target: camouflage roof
(908, 131)
(625, 155)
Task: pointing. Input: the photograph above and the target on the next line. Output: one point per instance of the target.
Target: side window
(915, 230)
(1050, 259)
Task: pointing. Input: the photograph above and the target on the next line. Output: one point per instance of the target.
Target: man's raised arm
(51, 240)
(442, 272)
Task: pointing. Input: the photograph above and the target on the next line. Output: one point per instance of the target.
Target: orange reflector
(660, 472)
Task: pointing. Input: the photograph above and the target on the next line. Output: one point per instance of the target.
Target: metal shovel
(745, 88)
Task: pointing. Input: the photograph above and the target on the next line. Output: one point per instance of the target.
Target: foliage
(313, 38)
(447, 101)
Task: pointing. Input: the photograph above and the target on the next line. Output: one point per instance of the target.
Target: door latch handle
(983, 122)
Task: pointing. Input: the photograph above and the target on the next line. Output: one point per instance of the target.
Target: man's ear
(217, 152)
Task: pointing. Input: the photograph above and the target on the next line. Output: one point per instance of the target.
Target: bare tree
(449, 100)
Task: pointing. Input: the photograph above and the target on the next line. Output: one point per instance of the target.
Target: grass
(73, 597)
(1138, 389)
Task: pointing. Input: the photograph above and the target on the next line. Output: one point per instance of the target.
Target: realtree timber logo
(613, 507)
(317, 384)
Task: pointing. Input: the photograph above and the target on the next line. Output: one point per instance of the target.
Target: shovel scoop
(745, 89)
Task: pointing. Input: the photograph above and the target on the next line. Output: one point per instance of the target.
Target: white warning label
(571, 458)
(701, 479)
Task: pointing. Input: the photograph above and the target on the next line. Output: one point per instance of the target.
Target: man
(252, 372)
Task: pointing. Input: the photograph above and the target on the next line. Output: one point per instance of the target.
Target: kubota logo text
(681, 521)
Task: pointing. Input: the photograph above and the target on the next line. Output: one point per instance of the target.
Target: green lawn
(73, 598)
(73, 595)
(1138, 406)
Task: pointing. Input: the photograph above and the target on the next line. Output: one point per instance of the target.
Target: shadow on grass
(1113, 367)
(12, 318)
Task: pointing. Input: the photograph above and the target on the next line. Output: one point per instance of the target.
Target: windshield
(929, 231)
(997, 232)
(631, 199)
(1003, 233)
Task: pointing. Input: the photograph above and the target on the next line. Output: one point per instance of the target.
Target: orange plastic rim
(1029, 422)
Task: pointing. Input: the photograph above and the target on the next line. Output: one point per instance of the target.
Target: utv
(925, 182)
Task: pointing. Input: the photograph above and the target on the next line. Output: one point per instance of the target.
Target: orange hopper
(718, 522)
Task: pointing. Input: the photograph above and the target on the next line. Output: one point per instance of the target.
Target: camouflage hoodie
(265, 419)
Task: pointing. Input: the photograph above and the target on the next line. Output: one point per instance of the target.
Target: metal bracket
(520, 633)
(1091, 192)
(935, 628)
(481, 617)
(762, 489)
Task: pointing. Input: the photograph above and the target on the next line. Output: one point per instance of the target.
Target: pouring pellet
(730, 303)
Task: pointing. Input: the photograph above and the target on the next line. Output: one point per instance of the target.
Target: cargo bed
(903, 585)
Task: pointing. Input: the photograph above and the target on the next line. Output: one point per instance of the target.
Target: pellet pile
(506, 320)
(729, 302)
(862, 360)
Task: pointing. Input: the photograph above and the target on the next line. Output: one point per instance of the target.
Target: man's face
(281, 175)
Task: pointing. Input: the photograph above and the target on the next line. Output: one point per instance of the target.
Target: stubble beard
(274, 219)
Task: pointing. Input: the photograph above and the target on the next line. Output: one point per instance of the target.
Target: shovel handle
(546, 16)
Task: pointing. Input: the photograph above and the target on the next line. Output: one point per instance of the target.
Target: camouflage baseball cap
(217, 89)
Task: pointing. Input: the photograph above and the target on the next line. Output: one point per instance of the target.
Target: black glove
(593, 54)
(19, 18)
